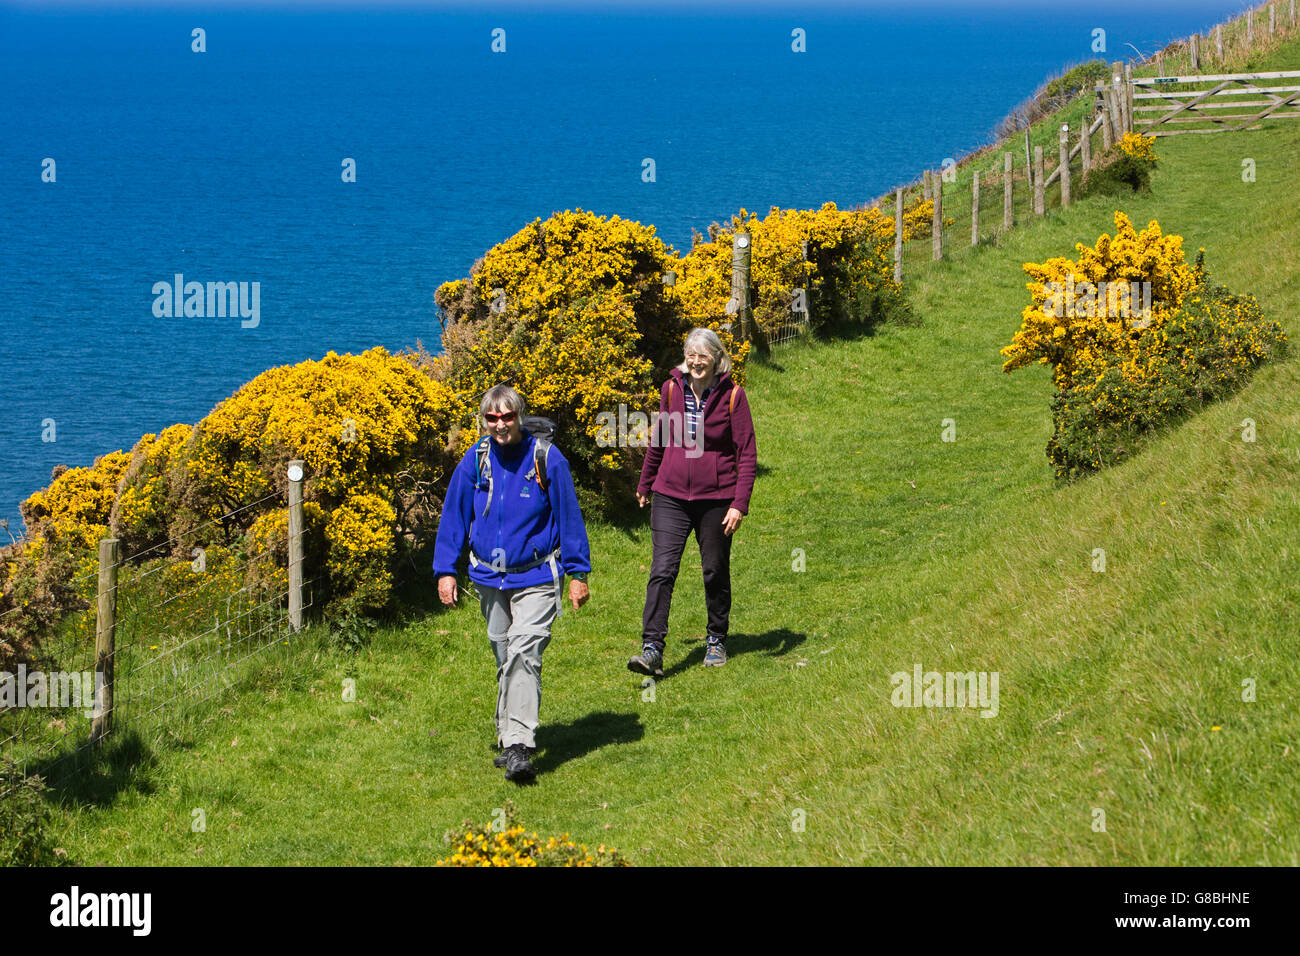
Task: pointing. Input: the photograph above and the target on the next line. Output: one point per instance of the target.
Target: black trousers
(671, 522)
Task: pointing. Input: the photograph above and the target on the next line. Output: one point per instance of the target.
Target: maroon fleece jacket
(726, 467)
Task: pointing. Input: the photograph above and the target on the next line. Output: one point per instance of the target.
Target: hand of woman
(448, 591)
(578, 593)
(642, 500)
(732, 521)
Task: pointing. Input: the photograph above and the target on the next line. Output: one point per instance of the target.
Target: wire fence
(796, 323)
(1012, 191)
(168, 629)
(182, 628)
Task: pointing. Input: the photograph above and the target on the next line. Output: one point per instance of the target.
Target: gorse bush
(575, 312)
(1125, 167)
(511, 845)
(1139, 147)
(151, 490)
(1136, 337)
(1206, 351)
(52, 573)
(581, 313)
(1062, 327)
(841, 260)
(572, 257)
(75, 508)
(918, 220)
(373, 430)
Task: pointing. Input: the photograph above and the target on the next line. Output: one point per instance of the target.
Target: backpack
(542, 429)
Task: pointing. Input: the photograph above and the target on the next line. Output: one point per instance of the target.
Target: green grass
(1263, 54)
(1120, 691)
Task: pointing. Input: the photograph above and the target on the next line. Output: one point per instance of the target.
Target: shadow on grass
(89, 777)
(559, 743)
(774, 643)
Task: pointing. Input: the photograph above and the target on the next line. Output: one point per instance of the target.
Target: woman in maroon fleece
(700, 468)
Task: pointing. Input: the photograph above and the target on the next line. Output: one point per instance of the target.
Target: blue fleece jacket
(522, 522)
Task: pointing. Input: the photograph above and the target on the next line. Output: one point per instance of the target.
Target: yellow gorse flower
(480, 845)
(1139, 146)
(1121, 369)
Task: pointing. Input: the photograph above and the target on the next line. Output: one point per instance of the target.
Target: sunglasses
(492, 417)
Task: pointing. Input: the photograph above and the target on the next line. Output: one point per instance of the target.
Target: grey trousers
(519, 628)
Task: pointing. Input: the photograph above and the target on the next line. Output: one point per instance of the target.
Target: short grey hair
(499, 395)
(708, 340)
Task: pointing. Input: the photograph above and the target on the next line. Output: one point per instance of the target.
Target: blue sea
(227, 165)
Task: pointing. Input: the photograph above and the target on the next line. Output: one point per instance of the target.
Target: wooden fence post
(1117, 108)
(1103, 107)
(1029, 161)
(1196, 53)
(1272, 19)
(898, 236)
(1218, 42)
(1250, 27)
(295, 544)
(1292, 12)
(1085, 145)
(936, 236)
(101, 723)
(1065, 164)
(1008, 217)
(1040, 201)
(1160, 63)
(740, 253)
(975, 209)
(1128, 97)
(925, 185)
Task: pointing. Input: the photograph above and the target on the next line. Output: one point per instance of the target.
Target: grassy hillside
(1120, 690)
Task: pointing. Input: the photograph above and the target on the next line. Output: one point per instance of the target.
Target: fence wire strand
(145, 686)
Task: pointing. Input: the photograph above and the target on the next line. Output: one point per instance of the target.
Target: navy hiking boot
(716, 655)
(649, 662)
(518, 766)
(500, 759)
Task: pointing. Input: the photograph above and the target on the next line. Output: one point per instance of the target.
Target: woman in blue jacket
(512, 496)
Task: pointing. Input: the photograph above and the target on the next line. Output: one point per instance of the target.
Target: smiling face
(506, 429)
(699, 364)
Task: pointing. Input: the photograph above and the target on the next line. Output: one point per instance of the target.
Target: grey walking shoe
(649, 662)
(716, 655)
(518, 766)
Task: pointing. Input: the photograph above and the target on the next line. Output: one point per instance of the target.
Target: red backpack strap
(731, 404)
(670, 394)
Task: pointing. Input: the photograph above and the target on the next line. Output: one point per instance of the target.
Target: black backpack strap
(484, 467)
(541, 449)
(484, 463)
